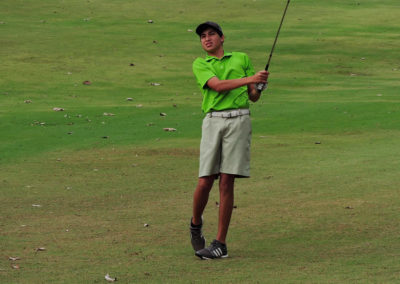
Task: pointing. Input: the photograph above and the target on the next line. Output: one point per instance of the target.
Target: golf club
(260, 86)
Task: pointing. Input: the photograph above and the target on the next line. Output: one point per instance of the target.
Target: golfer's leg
(226, 205)
(200, 197)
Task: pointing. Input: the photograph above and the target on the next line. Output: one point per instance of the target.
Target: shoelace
(214, 245)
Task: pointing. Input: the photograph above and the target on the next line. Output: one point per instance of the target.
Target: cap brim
(202, 27)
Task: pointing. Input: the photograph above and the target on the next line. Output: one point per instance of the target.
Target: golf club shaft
(260, 86)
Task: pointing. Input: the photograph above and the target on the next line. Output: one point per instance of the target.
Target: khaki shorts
(225, 146)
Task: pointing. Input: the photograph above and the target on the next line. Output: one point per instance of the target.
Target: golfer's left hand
(261, 76)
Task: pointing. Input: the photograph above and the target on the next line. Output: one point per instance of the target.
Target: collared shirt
(232, 65)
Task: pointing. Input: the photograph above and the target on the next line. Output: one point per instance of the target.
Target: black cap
(202, 27)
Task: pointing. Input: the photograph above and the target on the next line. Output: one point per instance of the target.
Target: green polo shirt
(233, 65)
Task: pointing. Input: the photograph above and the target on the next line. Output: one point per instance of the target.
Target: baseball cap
(207, 25)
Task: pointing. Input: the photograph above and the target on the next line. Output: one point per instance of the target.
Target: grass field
(322, 205)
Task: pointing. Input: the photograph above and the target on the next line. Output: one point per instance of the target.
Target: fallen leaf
(108, 114)
(40, 249)
(318, 142)
(154, 41)
(105, 137)
(129, 99)
(36, 205)
(150, 21)
(132, 64)
(58, 109)
(155, 84)
(27, 101)
(87, 83)
(39, 123)
(138, 106)
(110, 279)
(146, 225)
(169, 129)
(14, 258)
(348, 207)
(163, 114)
(15, 266)
(189, 30)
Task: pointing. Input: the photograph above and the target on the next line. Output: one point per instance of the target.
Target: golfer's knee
(226, 184)
(205, 183)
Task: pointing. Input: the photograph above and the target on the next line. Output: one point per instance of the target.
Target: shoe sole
(206, 258)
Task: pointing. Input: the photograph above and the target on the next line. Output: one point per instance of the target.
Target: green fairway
(322, 204)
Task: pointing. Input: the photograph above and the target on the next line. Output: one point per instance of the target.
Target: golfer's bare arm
(227, 85)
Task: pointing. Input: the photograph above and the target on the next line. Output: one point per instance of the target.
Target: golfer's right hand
(261, 77)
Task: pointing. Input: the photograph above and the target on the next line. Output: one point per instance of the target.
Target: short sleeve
(202, 72)
(249, 69)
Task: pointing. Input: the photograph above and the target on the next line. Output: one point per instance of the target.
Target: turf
(321, 206)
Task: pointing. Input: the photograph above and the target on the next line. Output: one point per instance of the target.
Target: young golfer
(227, 81)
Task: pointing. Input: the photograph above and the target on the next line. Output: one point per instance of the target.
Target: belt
(229, 113)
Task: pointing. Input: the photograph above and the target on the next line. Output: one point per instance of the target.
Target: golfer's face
(211, 41)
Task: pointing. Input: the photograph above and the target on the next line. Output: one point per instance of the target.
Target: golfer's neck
(218, 53)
